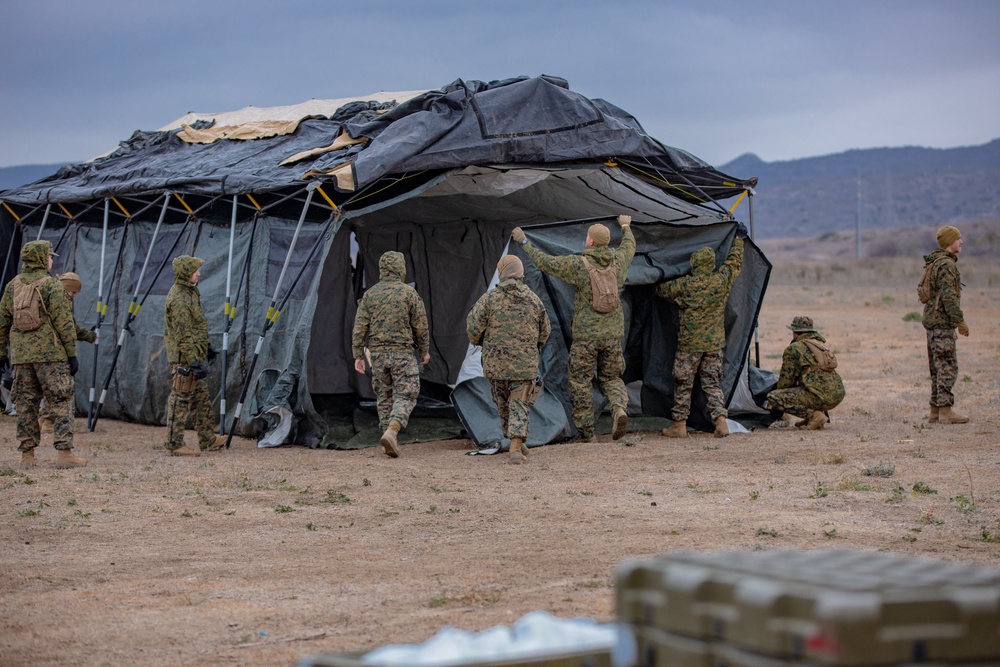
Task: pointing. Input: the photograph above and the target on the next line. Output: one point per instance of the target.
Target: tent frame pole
(91, 398)
(756, 327)
(225, 313)
(45, 218)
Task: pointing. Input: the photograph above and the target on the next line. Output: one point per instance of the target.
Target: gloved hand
(963, 328)
(74, 365)
(624, 220)
(212, 354)
(518, 235)
(198, 370)
(741, 231)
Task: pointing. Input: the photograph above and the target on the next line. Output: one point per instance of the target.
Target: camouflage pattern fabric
(588, 324)
(45, 417)
(944, 309)
(514, 412)
(708, 367)
(583, 356)
(32, 383)
(701, 299)
(511, 325)
(396, 382)
(185, 329)
(196, 403)
(55, 339)
(391, 316)
(942, 357)
(802, 386)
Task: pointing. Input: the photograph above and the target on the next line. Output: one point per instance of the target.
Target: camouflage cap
(37, 248)
(802, 324)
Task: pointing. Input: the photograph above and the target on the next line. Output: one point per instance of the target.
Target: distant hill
(15, 177)
(899, 187)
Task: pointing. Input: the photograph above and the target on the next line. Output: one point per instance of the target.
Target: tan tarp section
(245, 132)
(341, 141)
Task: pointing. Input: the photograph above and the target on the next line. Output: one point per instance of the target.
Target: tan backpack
(924, 287)
(29, 306)
(826, 360)
(603, 286)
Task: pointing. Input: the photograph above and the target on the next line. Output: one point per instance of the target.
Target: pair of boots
(945, 415)
(389, 444)
(679, 428)
(64, 459)
(518, 451)
(217, 444)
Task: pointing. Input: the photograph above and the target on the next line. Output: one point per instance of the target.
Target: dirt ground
(262, 557)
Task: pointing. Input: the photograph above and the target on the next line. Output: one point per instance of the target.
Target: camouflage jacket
(588, 324)
(701, 298)
(86, 335)
(511, 324)
(55, 340)
(799, 369)
(391, 316)
(185, 329)
(944, 309)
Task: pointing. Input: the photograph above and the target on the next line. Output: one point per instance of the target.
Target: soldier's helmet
(802, 324)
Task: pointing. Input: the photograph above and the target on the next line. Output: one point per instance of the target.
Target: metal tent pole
(48, 207)
(100, 317)
(756, 329)
(225, 312)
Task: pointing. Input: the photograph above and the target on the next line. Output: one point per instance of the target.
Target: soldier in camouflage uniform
(701, 300)
(804, 389)
(942, 316)
(44, 359)
(73, 285)
(392, 320)
(597, 337)
(185, 333)
(511, 325)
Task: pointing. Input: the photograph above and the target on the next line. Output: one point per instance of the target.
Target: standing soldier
(392, 319)
(36, 321)
(808, 384)
(942, 316)
(185, 333)
(73, 285)
(597, 333)
(701, 299)
(511, 325)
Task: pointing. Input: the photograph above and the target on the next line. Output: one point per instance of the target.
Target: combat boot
(516, 457)
(28, 459)
(620, 418)
(184, 450)
(677, 430)
(721, 427)
(933, 419)
(65, 459)
(586, 436)
(388, 440)
(218, 443)
(814, 422)
(947, 416)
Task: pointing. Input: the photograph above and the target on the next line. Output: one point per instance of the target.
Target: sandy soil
(264, 556)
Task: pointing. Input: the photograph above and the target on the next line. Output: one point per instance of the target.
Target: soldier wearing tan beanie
(942, 318)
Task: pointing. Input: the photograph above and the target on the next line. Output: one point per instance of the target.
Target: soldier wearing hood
(44, 356)
(701, 300)
(392, 320)
(942, 317)
(185, 333)
(597, 336)
(511, 325)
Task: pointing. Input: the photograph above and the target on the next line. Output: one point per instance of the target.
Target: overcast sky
(780, 79)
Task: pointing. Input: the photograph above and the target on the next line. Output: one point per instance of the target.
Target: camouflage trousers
(514, 411)
(396, 383)
(198, 404)
(583, 356)
(707, 366)
(942, 357)
(799, 401)
(53, 382)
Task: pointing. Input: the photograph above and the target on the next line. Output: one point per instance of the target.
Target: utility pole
(857, 217)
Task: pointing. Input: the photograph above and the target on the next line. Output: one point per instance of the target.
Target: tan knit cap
(600, 234)
(71, 282)
(510, 266)
(948, 235)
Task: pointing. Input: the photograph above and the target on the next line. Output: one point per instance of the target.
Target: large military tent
(291, 207)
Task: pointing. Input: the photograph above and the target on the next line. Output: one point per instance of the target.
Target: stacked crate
(830, 607)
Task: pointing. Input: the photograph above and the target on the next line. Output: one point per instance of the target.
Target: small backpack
(924, 287)
(826, 360)
(603, 286)
(28, 304)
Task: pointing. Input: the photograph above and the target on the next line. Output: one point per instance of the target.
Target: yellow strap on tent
(16, 216)
(66, 211)
(181, 200)
(127, 215)
(737, 203)
(657, 177)
(328, 200)
(253, 201)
